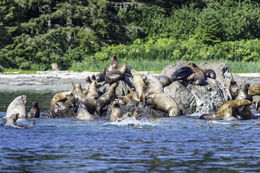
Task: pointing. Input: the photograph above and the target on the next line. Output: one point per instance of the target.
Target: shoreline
(61, 80)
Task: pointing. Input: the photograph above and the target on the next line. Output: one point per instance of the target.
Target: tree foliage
(36, 33)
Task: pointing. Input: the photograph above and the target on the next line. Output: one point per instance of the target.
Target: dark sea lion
(229, 110)
(164, 102)
(244, 113)
(243, 92)
(196, 79)
(233, 89)
(165, 80)
(116, 111)
(195, 68)
(139, 84)
(210, 73)
(35, 111)
(113, 76)
(181, 74)
(254, 90)
(105, 99)
(83, 113)
(18, 105)
(114, 65)
(100, 77)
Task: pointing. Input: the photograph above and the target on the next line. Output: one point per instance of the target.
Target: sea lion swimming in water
(18, 105)
(230, 110)
(83, 113)
(35, 111)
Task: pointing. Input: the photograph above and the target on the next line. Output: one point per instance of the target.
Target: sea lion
(18, 105)
(91, 101)
(60, 97)
(244, 113)
(66, 104)
(243, 92)
(136, 114)
(79, 95)
(114, 65)
(105, 99)
(11, 120)
(83, 113)
(152, 85)
(54, 67)
(100, 77)
(139, 84)
(229, 110)
(165, 80)
(182, 74)
(87, 82)
(130, 96)
(209, 73)
(196, 79)
(195, 68)
(32, 123)
(233, 89)
(164, 102)
(34, 111)
(116, 111)
(254, 90)
(113, 76)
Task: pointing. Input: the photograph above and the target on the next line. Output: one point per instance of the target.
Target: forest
(36, 33)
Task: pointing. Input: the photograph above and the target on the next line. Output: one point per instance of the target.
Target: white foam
(134, 122)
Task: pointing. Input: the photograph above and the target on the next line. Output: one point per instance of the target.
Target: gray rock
(168, 70)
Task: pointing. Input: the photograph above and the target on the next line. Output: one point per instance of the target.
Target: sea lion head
(192, 64)
(21, 99)
(35, 103)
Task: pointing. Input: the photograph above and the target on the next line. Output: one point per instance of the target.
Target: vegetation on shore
(83, 35)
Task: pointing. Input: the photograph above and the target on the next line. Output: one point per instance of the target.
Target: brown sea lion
(139, 84)
(83, 113)
(114, 65)
(243, 92)
(244, 113)
(195, 68)
(87, 82)
(60, 97)
(197, 79)
(164, 102)
(233, 89)
(105, 99)
(100, 77)
(165, 80)
(66, 104)
(130, 96)
(78, 94)
(136, 114)
(209, 73)
(229, 110)
(152, 85)
(34, 111)
(113, 76)
(18, 105)
(254, 90)
(32, 123)
(116, 111)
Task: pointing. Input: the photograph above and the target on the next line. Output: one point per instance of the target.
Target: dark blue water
(184, 144)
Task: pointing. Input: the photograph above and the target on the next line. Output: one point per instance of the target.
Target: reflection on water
(183, 144)
(43, 97)
(174, 144)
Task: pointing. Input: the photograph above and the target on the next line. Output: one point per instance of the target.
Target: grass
(155, 66)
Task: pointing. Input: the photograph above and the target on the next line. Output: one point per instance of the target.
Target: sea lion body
(34, 111)
(254, 90)
(195, 68)
(113, 76)
(60, 96)
(100, 77)
(116, 112)
(243, 93)
(197, 79)
(209, 73)
(11, 120)
(130, 96)
(139, 84)
(67, 104)
(18, 105)
(165, 103)
(83, 113)
(114, 65)
(181, 74)
(79, 92)
(233, 89)
(165, 80)
(229, 110)
(153, 85)
(105, 99)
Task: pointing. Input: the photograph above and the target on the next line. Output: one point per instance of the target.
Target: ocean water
(183, 144)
